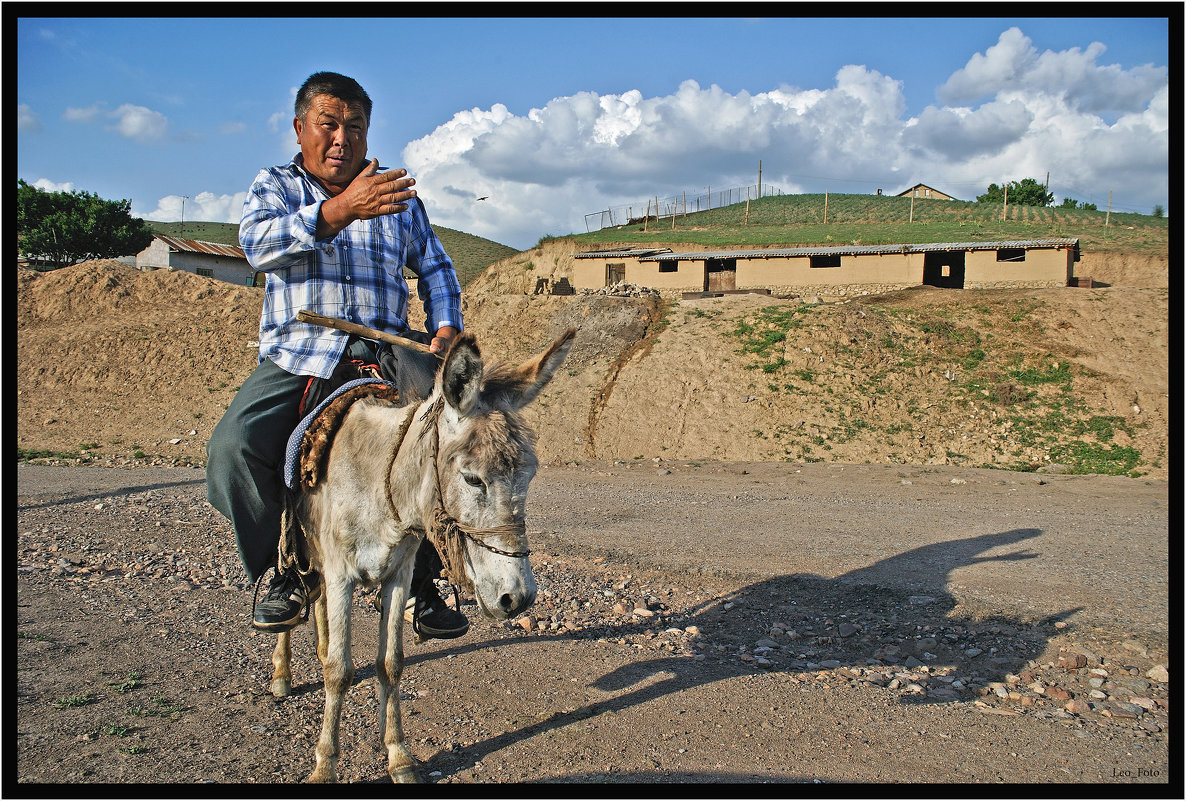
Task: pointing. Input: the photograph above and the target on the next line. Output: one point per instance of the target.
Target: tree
(1026, 192)
(1159, 210)
(1071, 203)
(68, 227)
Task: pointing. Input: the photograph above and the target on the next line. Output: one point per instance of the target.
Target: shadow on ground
(860, 619)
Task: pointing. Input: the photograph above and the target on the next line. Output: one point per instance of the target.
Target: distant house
(924, 191)
(209, 259)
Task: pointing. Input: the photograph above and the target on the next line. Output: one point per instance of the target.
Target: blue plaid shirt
(356, 276)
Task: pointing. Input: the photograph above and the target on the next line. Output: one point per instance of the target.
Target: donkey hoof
(320, 776)
(281, 688)
(405, 775)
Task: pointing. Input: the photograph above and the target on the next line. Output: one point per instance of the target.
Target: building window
(668, 266)
(1011, 254)
(830, 260)
(205, 273)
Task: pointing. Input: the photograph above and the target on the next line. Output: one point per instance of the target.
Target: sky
(553, 119)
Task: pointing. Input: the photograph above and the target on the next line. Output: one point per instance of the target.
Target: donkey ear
(528, 379)
(460, 378)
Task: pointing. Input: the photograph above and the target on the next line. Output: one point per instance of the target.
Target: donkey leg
(389, 666)
(281, 659)
(321, 629)
(338, 669)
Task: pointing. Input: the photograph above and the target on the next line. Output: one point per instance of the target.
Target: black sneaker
(431, 617)
(287, 596)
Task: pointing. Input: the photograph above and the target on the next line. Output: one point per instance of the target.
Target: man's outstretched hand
(371, 194)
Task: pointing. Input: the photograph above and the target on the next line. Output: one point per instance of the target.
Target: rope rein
(446, 533)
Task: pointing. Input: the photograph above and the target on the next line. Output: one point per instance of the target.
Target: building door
(944, 269)
(615, 274)
(720, 275)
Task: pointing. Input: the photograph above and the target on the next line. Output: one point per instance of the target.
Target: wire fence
(660, 208)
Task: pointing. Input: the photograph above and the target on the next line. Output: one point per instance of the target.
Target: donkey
(456, 467)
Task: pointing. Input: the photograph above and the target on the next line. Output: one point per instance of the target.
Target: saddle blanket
(303, 465)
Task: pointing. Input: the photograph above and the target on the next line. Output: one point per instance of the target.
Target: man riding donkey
(332, 232)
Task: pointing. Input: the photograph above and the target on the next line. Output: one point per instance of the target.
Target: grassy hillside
(471, 254)
(793, 220)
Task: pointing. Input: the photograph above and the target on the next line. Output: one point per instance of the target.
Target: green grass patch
(798, 220)
(131, 682)
(67, 702)
(1088, 457)
(1052, 373)
(29, 454)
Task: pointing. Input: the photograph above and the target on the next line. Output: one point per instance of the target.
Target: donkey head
(486, 461)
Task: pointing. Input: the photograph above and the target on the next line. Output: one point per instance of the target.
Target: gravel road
(697, 622)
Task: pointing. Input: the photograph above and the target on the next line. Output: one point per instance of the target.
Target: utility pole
(759, 179)
(1108, 216)
(182, 226)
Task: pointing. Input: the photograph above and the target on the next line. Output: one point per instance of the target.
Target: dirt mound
(121, 363)
(129, 365)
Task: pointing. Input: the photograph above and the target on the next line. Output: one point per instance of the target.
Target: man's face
(333, 140)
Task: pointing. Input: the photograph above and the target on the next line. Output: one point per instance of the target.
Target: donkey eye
(473, 481)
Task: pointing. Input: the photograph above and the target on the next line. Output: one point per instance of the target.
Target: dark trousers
(245, 464)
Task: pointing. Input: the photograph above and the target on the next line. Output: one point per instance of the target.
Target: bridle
(447, 533)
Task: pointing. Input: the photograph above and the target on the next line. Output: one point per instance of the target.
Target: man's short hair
(334, 85)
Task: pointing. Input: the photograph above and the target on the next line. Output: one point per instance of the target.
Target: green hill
(471, 254)
(795, 220)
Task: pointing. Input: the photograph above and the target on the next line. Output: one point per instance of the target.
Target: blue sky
(555, 118)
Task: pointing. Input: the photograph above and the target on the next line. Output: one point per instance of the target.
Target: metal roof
(197, 246)
(859, 250)
(618, 252)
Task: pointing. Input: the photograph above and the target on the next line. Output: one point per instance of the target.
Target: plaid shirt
(355, 276)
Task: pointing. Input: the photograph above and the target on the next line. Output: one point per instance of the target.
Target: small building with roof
(924, 191)
(835, 270)
(210, 259)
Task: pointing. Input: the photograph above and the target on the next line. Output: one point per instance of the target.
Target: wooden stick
(306, 316)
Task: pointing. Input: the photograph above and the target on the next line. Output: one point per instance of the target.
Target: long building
(826, 270)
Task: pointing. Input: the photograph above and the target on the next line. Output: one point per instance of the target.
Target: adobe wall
(892, 268)
(1042, 267)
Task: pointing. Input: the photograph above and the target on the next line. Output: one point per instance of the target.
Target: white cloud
(87, 114)
(202, 207)
(1014, 64)
(1011, 113)
(46, 185)
(957, 134)
(27, 119)
(140, 123)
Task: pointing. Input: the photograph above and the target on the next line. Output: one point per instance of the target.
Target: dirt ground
(714, 608)
(708, 622)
